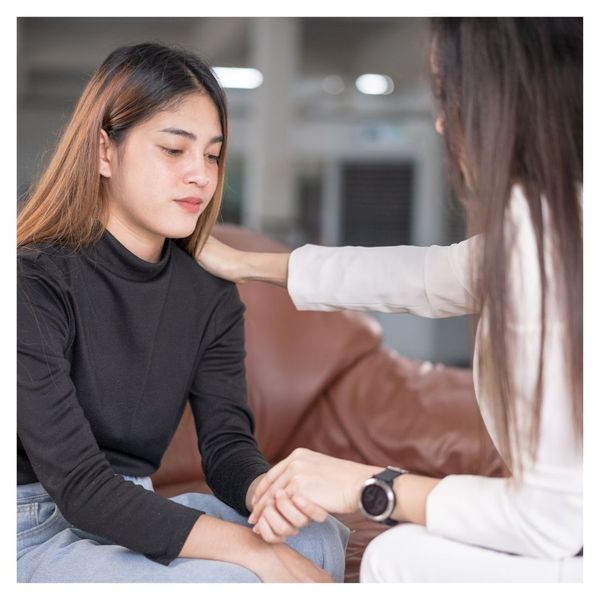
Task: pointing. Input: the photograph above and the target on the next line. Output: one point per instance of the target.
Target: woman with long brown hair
(509, 92)
(118, 328)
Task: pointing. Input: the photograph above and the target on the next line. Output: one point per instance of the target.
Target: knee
(389, 556)
(333, 536)
(335, 532)
(324, 544)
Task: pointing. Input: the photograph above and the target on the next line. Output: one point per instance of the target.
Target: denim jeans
(50, 549)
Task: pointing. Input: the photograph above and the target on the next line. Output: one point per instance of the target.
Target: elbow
(564, 545)
(553, 529)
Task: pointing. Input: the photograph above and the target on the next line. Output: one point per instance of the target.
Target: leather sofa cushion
(292, 356)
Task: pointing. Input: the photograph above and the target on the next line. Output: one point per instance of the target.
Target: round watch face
(374, 500)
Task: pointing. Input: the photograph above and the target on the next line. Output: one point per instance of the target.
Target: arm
(539, 511)
(334, 484)
(535, 513)
(231, 459)
(225, 425)
(58, 438)
(427, 281)
(65, 456)
(505, 514)
(275, 563)
(239, 266)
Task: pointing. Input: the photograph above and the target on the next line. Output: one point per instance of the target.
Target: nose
(439, 124)
(199, 172)
(199, 177)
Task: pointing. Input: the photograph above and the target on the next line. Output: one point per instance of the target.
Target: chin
(178, 231)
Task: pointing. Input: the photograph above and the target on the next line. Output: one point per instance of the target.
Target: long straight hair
(510, 94)
(68, 205)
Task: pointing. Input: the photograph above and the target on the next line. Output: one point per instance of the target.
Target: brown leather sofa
(324, 381)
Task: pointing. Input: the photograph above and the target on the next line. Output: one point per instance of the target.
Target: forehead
(194, 112)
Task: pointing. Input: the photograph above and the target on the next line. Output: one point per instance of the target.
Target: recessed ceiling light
(374, 84)
(245, 79)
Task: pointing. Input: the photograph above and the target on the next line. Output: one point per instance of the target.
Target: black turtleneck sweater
(110, 348)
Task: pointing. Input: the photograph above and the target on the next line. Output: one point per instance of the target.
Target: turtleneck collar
(113, 255)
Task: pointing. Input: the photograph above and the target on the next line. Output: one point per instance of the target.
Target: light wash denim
(50, 549)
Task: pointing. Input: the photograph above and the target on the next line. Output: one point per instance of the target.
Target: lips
(190, 204)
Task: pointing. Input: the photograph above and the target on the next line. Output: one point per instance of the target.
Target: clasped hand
(304, 487)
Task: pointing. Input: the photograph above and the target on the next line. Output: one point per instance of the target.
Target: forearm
(411, 497)
(214, 539)
(411, 493)
(269, 267)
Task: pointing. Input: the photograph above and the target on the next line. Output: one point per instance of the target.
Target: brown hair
(67, 206)
(510, 93)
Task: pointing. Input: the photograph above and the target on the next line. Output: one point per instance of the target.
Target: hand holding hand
(312, 484)
(283, 516)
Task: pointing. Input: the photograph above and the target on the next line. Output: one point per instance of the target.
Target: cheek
(214, 181)
(151, 176)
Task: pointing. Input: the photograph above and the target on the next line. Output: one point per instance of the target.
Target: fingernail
(251, 520)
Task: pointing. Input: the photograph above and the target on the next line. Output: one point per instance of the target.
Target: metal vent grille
(377, 203)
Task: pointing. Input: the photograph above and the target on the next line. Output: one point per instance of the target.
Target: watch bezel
(390, 495)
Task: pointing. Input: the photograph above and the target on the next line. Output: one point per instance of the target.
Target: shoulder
(49, 263)
(39, 256)
(203, 281)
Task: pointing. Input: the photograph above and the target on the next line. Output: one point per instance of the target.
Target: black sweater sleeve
(58, 438)
(230, 455)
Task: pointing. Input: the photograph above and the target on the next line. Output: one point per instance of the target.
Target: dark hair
(68, 204)
(510, 93)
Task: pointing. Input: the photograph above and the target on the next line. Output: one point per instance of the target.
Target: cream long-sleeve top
(540, 513)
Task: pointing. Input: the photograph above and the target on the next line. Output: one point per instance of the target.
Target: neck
(143, 244)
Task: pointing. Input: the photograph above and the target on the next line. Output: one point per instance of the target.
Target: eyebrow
(189, 134)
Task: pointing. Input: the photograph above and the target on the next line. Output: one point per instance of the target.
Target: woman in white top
(510, 109)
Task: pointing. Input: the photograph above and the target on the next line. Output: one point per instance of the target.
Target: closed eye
(171, 151)
(214, 158)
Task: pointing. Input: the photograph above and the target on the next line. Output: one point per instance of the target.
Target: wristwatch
(377, 497)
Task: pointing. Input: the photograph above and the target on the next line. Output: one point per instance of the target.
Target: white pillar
(269, 201)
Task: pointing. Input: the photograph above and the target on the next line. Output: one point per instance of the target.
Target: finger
(268, 496)
(258, 508)
(278, 523)
(263, 529)
(271, 476)
(289, 510)
(313, 511)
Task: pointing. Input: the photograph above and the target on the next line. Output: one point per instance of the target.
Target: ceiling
(56, 55)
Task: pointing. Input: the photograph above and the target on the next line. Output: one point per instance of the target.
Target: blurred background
(331, 131)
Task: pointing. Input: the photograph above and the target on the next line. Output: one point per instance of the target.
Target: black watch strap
(388, 476)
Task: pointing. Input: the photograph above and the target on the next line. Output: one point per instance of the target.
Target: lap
(323, 543)
(72, 555)
(409, 553)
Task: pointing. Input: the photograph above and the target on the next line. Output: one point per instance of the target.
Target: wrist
(250, 492)
(269, 267)
(363, 472)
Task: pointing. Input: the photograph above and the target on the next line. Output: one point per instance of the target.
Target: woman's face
(164, 173)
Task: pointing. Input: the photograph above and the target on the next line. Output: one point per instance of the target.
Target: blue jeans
(50, 549)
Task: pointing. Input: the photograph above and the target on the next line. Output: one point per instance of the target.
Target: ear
(105, 155)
